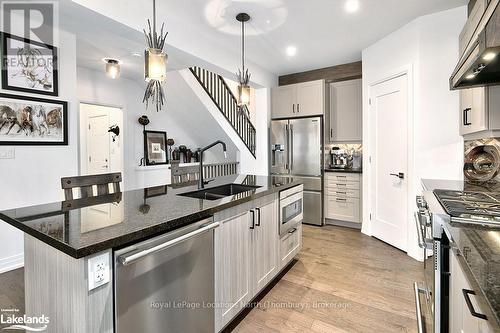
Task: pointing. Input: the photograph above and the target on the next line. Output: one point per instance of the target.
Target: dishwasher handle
(129, 259)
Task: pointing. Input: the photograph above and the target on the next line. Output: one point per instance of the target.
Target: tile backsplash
(469, 145)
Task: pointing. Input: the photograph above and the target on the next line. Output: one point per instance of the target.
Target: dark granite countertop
(479, 245)
(86, 226)
(347, 170)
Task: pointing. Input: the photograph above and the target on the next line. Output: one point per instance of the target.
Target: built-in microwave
(291, 209)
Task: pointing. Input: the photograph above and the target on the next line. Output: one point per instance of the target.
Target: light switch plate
(7, 153)
(98, 270)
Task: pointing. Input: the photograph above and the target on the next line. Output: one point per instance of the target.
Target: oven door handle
(423, 243)
(418, 306)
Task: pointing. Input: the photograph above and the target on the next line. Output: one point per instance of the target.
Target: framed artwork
(155, 147)
(29, 66)
(31, 121)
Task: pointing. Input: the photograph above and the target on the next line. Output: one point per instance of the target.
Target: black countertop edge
(143, 234)
(347, 170)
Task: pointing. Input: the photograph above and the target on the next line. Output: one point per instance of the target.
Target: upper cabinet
(478, 112)
(298, 100)
(345, 116)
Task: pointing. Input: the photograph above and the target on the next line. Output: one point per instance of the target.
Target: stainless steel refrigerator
(297, 150)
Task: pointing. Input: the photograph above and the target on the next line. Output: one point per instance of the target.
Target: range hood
(480, 64)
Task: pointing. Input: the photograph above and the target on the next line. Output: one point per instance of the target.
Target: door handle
(298, 108)
(399, 175)
(420, 324)
(331, 133)
(258, 217)
(291, 147)
(473, 312)
(465, 117)
(293, 108)
(253, 219)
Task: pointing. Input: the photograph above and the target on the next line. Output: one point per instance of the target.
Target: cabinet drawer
(342, 193)
(343, 209)
(334, 176)
(290, 245)
(341, 185)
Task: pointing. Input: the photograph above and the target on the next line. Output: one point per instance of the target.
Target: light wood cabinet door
(343, 208)
(265, 239)
(290, 245)
(473, 110)
(283, 101)
(346, 111)
(233, 288)
(310, 98)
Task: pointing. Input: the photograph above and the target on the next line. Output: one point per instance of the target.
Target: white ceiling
(323, 32)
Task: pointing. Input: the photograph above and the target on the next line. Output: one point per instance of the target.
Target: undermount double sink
(219, 192)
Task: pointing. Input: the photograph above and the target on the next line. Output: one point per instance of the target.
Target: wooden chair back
(86, 184)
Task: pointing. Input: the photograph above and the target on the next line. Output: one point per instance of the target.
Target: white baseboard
(11, 263)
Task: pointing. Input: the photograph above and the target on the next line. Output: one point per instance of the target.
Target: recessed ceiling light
(291, 51)
(489, 56)
(352, 6)
(470, 76)
(268, 21)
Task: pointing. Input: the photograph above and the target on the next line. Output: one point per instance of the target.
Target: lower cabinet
(248, 254)
(461, 319)
(343, 197)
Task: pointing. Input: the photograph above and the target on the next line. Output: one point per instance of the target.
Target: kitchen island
(63, 240)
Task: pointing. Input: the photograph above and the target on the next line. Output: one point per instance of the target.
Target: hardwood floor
(343, 281)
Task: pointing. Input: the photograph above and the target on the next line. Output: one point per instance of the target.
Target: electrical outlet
(7, 153)
(98, 270)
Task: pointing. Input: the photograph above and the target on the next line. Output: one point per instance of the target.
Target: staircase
(222, 96)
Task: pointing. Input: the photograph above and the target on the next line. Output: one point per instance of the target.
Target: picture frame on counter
(32, 121)
(155, 147)
(155, 191)
(29, 66)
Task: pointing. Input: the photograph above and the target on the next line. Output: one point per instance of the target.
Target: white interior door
(98, 142)
(101, 151)
(389, 144)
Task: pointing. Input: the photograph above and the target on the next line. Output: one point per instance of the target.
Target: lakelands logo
(24, 322)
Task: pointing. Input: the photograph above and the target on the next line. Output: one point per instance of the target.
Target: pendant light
(155, 63)
(243, 75)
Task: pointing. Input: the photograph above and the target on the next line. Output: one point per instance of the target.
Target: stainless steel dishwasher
(166, 284)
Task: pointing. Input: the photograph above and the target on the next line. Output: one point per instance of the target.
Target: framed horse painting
(31, 121)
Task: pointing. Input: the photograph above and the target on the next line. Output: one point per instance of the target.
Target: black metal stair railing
(222, 96)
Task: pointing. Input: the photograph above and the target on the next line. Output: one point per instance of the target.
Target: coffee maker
(340, 158)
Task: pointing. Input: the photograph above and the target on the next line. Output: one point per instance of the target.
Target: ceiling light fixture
(112, 67)
(155, 63)
(489, 56)
(243, 75)
(352, 6)
(291, 51)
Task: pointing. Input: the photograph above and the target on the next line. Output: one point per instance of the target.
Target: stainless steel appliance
(340, 159)
(161, 284)
(297, 150)
(291, 209)
(471, 207)
(432, 295)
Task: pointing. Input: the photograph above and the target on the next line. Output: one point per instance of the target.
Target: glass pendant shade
(113, 69)
(155, 66)
(243, 95)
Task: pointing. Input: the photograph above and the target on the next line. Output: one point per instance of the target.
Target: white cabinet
(298, 100)
(478, 112)
(461, 319)
(346, 108)
(343, 197)
(265, 240)
(290, 245)
(232, 267)
(248, 254)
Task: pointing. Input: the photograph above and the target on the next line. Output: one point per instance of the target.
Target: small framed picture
(29, 66)
(155, 147)
(155, 191)
(31, 121)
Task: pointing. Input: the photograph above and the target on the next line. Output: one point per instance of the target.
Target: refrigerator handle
(291, 147)
(287, 138)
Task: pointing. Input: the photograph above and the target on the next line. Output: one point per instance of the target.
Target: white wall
(184, 119)
(428, 48)
(33, 177)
